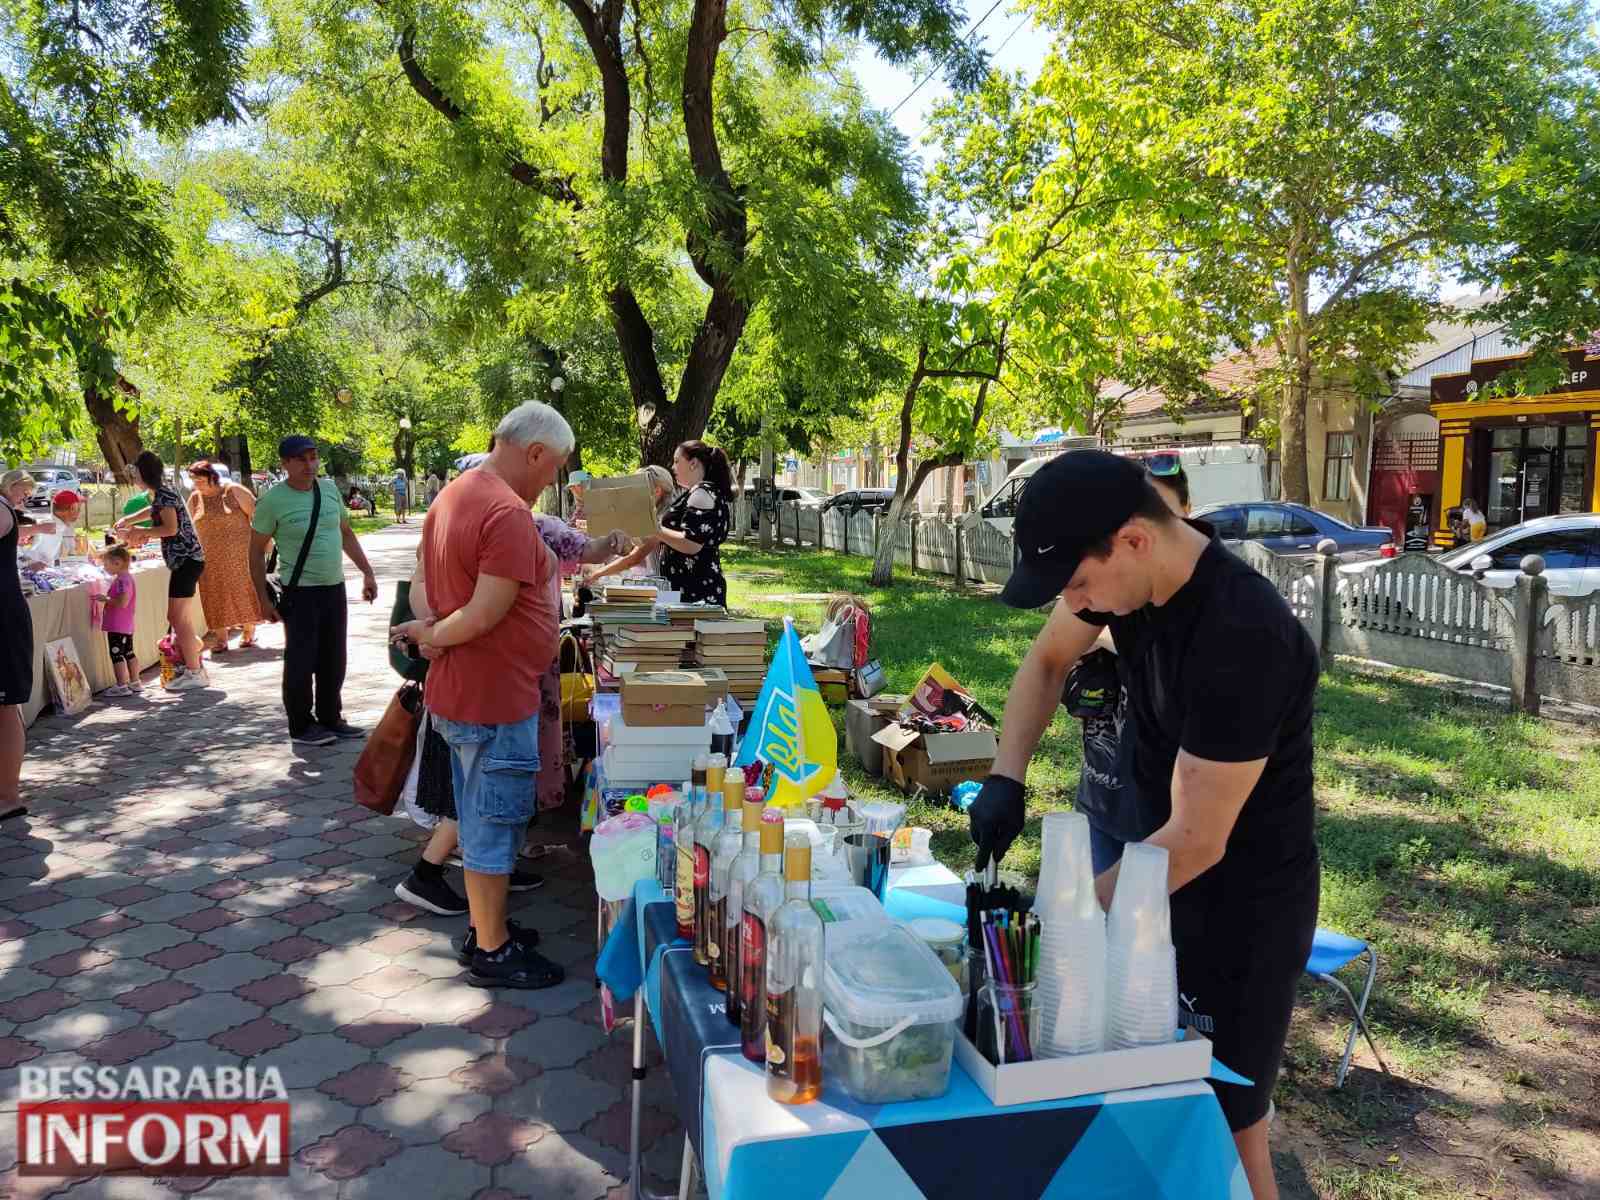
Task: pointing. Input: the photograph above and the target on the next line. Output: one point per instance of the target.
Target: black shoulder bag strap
(284, 589)
(311, 532)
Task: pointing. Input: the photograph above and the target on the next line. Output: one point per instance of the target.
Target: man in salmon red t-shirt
(495, 633)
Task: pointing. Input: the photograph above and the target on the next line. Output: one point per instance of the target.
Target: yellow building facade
(1517, 457)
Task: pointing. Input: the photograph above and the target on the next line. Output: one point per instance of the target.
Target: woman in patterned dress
(696, 524)
(221, 514)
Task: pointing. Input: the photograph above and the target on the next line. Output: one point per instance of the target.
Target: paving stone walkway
(190, 889)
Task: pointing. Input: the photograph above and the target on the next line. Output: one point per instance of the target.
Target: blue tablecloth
(1161, 1143)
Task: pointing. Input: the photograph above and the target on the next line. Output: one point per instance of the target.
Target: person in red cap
(1220, 677)
(56, 538)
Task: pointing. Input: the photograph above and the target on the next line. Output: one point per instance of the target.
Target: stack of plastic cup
(1141, 965)
(1071, 990)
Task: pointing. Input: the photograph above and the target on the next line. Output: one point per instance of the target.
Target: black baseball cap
(1069, 504)
(295, 445)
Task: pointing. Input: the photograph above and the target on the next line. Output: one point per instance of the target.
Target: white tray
(1184, 1059)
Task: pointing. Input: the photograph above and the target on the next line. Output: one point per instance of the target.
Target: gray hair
(532, 423)
(11, 478)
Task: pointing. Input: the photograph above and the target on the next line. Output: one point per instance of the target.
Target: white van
(1231, 472)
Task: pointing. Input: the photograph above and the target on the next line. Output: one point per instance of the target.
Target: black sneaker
(467, 944)
(514, 966)
(525, 881)
(343, 730)
(314, 735)
(431, 895)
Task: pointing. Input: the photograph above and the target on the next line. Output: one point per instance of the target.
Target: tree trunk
(116, 432)
(904, 503)
(1295, 485)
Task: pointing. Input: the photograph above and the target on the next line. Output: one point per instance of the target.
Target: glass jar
(948, 940)
(1008, 1022)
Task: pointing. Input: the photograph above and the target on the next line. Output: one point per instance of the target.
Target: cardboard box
(651, 688)
(624, 502)
(860, 723)
(1180, 1061)
(935, 762)
(654, 716)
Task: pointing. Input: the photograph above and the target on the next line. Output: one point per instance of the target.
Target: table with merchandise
(1149, 1142)
(60, 603)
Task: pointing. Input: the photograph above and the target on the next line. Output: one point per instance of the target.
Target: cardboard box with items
(657, 698)
(939, 737)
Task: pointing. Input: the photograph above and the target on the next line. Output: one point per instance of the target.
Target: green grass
(370, 524)
(1464, 842)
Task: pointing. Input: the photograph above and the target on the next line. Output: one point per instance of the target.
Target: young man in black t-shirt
(1220, 679)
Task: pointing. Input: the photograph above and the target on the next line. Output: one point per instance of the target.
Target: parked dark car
(856, 500)
(1287, 528)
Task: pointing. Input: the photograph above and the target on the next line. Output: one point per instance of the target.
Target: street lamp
(405, 422)
(557, 385)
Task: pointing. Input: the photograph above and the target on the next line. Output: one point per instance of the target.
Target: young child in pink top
(117, 621)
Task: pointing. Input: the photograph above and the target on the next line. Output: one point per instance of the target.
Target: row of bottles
(743, 896)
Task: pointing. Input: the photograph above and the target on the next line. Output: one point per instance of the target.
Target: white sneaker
(118, 689)
(189, 681)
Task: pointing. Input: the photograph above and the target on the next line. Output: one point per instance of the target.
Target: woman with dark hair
(695, 524)
(181, 550)
(16, 638)
(221, 513)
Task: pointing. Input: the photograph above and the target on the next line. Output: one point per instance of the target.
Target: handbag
(407, 667)
(385, 761)
(277, 590)
(577, 680)
(869, 680)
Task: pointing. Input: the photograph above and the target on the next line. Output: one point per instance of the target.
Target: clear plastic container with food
(891, 1008)
(948, 940)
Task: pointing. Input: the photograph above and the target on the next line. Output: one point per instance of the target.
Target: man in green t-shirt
(313, 608)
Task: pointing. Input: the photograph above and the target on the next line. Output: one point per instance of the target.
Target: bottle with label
(730, 840)
(762, 896)
(683, 850)
(705, 837)
(743, 872)
(794, 984)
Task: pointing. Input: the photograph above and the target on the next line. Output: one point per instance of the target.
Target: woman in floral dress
(696, 524)
(222, 515)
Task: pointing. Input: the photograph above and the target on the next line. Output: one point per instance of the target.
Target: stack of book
(646, 647)
(739, 650)
(684, 616)
(629, 593)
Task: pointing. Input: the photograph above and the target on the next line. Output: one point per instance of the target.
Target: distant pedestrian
(577, 484)
(312, 603)
(1473, 520)
(434, 487)
(488, 572)
(402, 492)
(117, 621)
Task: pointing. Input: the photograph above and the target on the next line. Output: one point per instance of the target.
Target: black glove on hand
(997, 816)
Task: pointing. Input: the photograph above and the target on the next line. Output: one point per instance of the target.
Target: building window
(1337, 466)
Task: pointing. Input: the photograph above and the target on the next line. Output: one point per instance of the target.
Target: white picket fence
(1408, 611)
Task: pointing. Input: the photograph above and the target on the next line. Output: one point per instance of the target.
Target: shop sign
(1581, 374)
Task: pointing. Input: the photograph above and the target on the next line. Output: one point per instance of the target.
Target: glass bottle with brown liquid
(730, 840)
(740, 876)
(762, 896)
(683, 846)
(794, 984)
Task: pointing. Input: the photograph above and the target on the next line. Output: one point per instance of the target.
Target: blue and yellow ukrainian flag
(791, 728)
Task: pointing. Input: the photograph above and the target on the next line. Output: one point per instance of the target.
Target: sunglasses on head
(1162, 464)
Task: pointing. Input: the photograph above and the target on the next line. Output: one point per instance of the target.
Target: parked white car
(1569, 545)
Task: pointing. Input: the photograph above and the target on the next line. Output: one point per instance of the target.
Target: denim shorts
(493, 768)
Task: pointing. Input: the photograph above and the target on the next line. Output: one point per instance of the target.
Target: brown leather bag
(386, 761)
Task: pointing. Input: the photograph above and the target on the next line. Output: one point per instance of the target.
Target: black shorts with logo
(1240, 958)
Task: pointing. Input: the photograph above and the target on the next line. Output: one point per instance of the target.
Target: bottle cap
(797, 858)
(732, 792)
(771, 832)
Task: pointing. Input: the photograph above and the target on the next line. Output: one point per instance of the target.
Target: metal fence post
(961, 539)
(1533, 593)
(915, 521)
